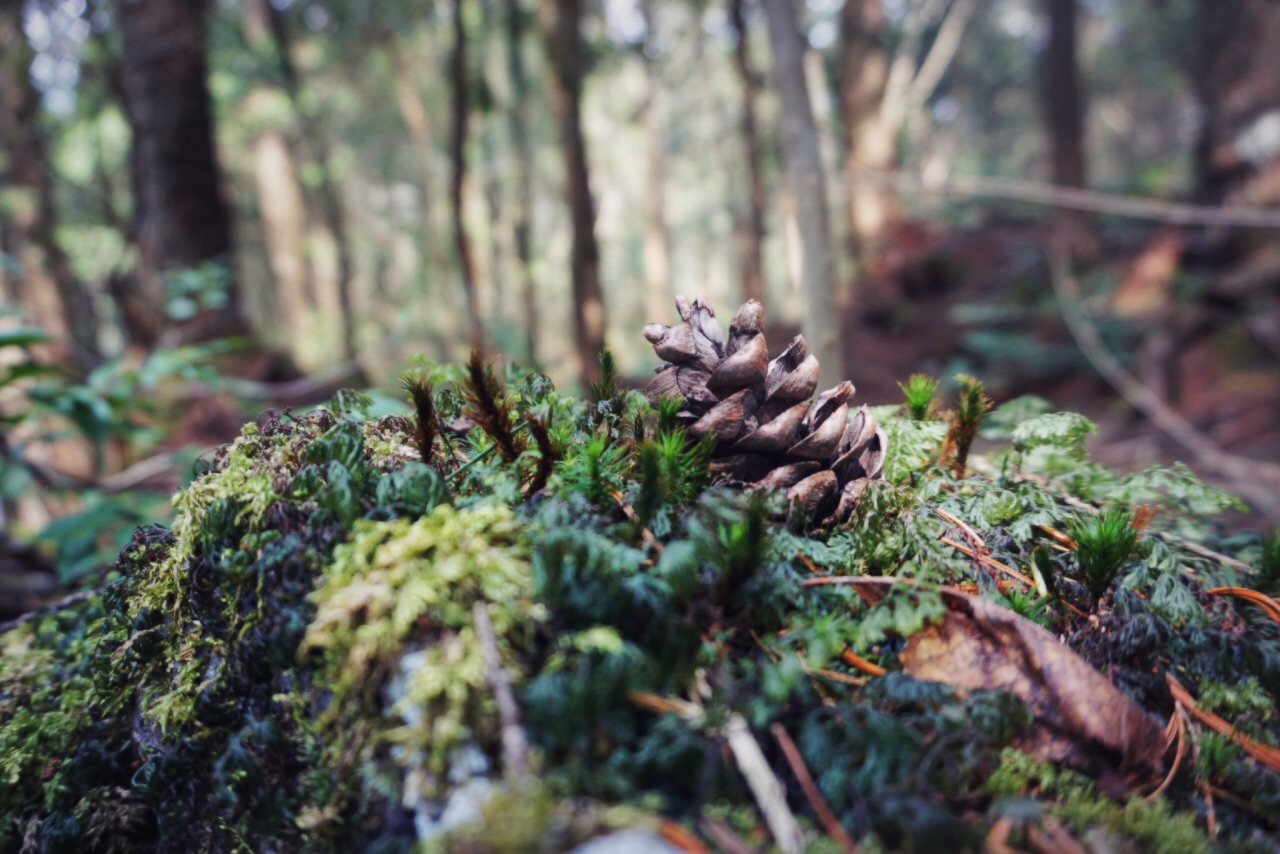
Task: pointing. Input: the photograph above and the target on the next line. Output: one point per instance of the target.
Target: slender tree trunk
(560, 20)
(751, 234)
(1237, 159)
(418, 121)
(458, 180)
(180, 217)
(1063, 101)
(43, 283)
(280, 197)
(284, 225)
(868, 142)
(657, 254)
(806, 178)
(331, 209)
(519, 119)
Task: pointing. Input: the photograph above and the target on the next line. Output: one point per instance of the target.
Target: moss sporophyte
(295, 664)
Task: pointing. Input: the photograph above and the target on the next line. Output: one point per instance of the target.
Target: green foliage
(1104, 543)
(1063, 431)
(972, 406)
(917, 396)
(293, 663)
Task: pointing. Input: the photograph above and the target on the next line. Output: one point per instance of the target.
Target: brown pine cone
(768, 433)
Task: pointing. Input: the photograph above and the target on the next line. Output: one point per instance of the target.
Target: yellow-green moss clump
(294, 665)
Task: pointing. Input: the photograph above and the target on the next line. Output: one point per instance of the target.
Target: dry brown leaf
(1080, 717)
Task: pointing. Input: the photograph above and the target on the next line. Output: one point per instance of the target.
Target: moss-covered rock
(294, 663)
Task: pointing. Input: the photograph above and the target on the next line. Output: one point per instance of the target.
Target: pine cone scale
(768, 433)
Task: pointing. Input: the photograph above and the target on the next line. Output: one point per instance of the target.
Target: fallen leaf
(1080, 718)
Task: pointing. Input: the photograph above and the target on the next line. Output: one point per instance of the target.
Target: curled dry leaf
(1080, 718)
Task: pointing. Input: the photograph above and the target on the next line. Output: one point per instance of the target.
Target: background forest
(212, 209)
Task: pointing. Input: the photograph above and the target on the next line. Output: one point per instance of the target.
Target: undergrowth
(294, 664)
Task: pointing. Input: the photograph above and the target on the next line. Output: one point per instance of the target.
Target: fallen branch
(1093, 201)
(515, 747)
(820, 808)
(1243, 473)
(765, 787)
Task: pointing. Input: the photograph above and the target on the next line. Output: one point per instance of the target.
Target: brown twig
(766, 788)
(819, 804)
(515, 746)
(1263, 601)
(1267, 755)
(857, 662)
(1178, 721)
(989, 561)
(724, 837)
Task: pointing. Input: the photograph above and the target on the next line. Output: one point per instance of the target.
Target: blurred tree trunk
(1063, 102)
(519, 118)
(180, 217)
(314, 136)
(42, 282)
(459, 72)
(560, 21)
(751, 232)
(806, 178)
(868, 142)
(657, 253)
(418, 122)
(280, 197)
(1238, 83)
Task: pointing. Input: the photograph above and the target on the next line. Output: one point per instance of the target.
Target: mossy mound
(295, 664)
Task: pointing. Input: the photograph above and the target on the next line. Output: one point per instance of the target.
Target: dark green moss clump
(294, 664)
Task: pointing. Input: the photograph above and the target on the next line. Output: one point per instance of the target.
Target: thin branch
(1244, 474)
(769, 794)
(1094, 201)
(515, 747)
(811, 792)
(941, 52)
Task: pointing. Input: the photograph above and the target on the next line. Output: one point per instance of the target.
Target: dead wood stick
(515, 747)
(1094, 201)
(767, 789)
(820, 808)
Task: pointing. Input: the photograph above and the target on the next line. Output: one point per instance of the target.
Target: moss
(293, 666)
(396, 603)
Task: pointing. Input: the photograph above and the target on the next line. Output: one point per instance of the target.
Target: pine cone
(768, 434)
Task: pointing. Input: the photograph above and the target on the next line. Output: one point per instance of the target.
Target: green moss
(401, 589)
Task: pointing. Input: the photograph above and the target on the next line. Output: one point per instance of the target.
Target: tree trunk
(868, 142)
(43, 284)
(560, 20)
(1236, 80)
(458, 180)
(519, 119)
(1063, 101)
(331, 210)
(280, 197)
(657, 253)
(180, 218)
(751, 233)
(418, 122)
(806, 179)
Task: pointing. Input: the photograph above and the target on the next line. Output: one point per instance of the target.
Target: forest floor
(981, 300)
